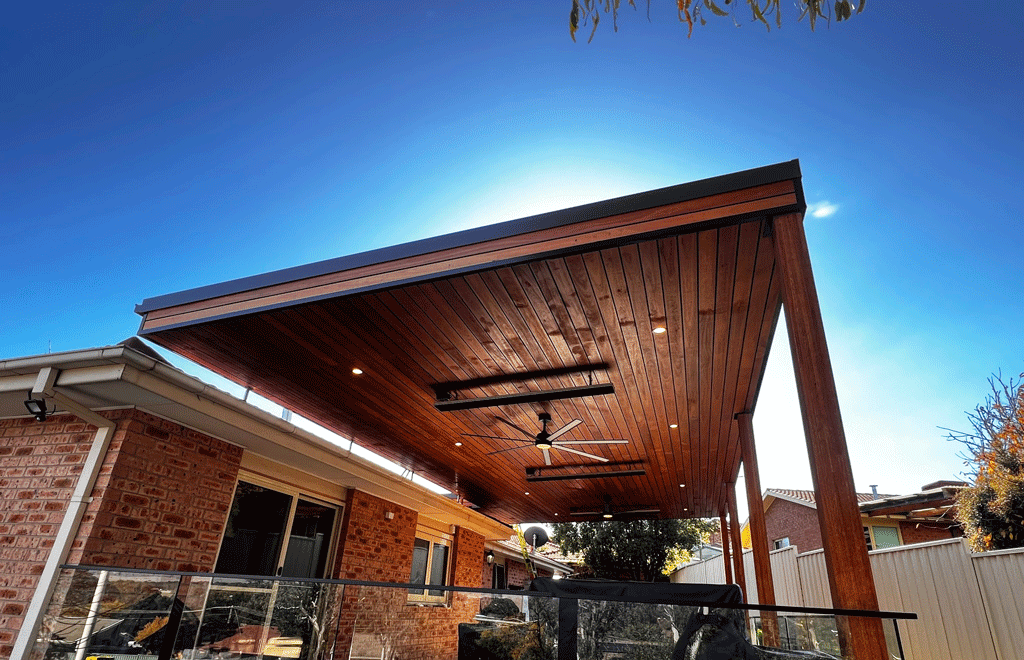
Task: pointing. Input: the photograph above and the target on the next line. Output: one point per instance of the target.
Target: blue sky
(147, 148)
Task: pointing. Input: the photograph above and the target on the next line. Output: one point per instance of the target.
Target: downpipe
(79, 502)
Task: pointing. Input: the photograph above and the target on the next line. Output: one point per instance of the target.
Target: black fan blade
(508, 423)
(500, 451)
(493, 437)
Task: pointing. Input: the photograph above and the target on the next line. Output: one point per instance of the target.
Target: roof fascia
(769, 174)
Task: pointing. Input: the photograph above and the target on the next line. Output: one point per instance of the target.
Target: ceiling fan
(608, 512)
(545, 441)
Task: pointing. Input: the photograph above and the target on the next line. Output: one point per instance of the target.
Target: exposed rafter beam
(525, 397)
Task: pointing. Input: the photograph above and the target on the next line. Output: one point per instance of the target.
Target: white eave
(124, 377)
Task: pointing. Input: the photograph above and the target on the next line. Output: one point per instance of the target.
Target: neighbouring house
(506, 569)
(139, 465)
(791, 518)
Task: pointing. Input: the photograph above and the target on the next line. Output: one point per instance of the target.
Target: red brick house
(140, 465)
(888, 520)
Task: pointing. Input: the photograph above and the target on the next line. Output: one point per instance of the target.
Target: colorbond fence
(970, 605)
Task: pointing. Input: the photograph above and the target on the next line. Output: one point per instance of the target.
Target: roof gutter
(80, 498)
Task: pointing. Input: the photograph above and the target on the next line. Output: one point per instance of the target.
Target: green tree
(636, 549)
(694, 11)
(992, 508)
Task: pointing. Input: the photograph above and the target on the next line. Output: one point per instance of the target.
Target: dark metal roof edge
(144, 332)
(789, 170)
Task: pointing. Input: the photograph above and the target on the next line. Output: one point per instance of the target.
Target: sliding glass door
(274, 533)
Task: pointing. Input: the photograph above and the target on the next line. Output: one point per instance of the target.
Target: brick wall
(371, 546)
(375, 548)
(39, 467)
(923, 532)
(799, 523)
(518, 575)
(160, 501)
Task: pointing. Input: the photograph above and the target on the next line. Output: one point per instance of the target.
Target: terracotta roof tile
(808, 495)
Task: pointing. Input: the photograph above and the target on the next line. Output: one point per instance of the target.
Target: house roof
(559, 304)
(929, 503)
(806, 497)
(547, 555)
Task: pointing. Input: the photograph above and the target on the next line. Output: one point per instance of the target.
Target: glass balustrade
(120, 614)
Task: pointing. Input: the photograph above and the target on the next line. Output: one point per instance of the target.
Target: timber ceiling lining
(714, 290)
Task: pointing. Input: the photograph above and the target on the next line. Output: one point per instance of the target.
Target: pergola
(648, 318)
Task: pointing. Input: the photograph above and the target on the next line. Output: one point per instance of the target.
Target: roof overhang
(553, 302)
(932, 503)
(117, 377)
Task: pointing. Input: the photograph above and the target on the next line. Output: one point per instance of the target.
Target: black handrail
(875, 614)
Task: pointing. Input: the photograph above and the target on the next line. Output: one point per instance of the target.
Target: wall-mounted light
(607, 515)
(36, 407)
(489, 557)
(389, 515)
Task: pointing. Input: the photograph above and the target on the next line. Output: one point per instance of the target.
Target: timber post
(758, 530)
(846, 555)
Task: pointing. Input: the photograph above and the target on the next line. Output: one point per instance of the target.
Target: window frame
(494, 573)
(434, 540)
(780, 543)
(295, 492)
(874, 541)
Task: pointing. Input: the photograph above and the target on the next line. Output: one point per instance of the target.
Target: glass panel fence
(129, 615)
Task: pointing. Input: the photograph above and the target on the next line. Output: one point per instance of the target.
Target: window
(499, 579)
(429, 566)
(881, 536)
(781, 543)
(885, 537)
(269, 532)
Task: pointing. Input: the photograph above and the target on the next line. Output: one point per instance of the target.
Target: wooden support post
(846, 556)
(758, 530)
(737, 542)
(726, 556)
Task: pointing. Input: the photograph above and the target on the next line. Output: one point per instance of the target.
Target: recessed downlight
(673, 426)
(526, 493)
(660, 330)
(458, 444)
(682, 485)
(357, 371)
